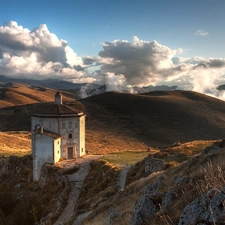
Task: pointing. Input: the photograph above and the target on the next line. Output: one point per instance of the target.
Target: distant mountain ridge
(81, 89)
(49, 83)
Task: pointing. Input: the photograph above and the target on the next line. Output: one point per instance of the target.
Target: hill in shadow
(118, 122)
(158, 118)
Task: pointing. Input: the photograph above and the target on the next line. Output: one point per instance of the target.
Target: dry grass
(124, 202)
(189, 148)
(121, 122)
(179, 153)
(201, 174)
(21, 94)
(15, 143)
(124, 122)
(99, 185)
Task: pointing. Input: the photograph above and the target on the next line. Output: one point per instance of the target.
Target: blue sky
(123, 43)
(85, 24)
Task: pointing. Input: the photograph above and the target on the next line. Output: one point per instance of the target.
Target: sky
(121, 43)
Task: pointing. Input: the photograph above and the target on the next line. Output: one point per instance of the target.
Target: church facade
(58, 132)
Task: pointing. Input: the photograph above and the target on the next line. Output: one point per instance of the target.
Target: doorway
(70, 153)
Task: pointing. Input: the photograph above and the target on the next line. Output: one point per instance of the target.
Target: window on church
(76, 135)
(70, 124)
(70, 136)
(76, 124)
(63, 125)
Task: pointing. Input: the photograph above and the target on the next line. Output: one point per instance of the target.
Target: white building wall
(50, 124)
(57, 150)
(69, 129)
(65, 126)
(42, 153)
(82, 136)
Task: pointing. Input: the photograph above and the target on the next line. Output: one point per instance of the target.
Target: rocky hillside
(23, 201)
(189, 194)
(192, 192)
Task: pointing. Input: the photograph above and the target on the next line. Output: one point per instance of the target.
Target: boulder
(168, 199)
(112, 217)
(154, 189)
(208, 209)
(153, 165)
(144, 211)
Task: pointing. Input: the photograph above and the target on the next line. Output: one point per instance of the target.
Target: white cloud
(37, 52)
(201, 33)
(143, 63)
(115, 82)
(121, 64)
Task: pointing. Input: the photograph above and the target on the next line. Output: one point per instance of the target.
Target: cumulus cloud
(120, 65)
(141, 62)
(201, 33)
(145, 63)
(36, 52)
(115, 83)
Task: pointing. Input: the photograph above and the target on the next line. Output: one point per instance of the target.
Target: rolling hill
(118, 121)
(12, 94)
(157, 118)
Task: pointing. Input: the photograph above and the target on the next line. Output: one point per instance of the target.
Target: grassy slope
(126, 122)
(117, 122)
(14, 143)
(155, 119)
(20, 94)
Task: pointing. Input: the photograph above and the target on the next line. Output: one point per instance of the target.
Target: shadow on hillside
(39, 88)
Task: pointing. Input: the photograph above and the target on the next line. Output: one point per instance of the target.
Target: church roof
(51, 134)
(58, 110)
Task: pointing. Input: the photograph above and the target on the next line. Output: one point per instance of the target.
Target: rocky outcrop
(23, 201)
(112, 217)
(144, 210)
(168, 199)
(153, 165)
(212, 149)
(208, 209)
(51, 174)
(153, 189)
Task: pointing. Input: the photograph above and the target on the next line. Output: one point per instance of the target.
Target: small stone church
(58, 132)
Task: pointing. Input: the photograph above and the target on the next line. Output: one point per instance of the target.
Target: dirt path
(81, 217)
(78, 178)
(122, 178)
(69, 209)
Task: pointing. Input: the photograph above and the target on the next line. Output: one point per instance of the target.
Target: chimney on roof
(58, 98)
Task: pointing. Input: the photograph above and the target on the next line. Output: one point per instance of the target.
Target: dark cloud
(89, 60)
(79, 68)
